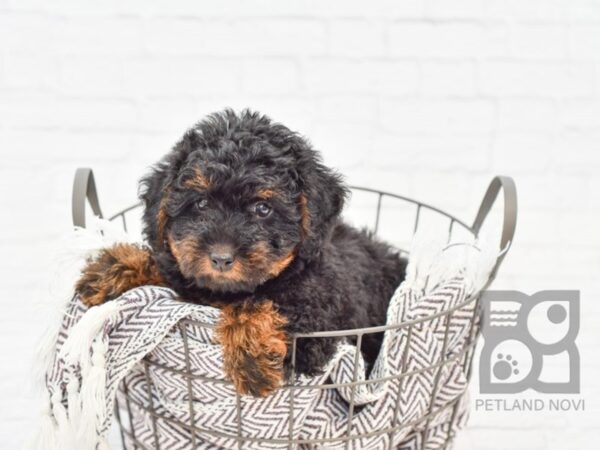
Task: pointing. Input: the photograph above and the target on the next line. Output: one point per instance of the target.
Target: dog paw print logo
(529, 342)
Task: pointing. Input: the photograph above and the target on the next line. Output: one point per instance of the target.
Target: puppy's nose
(222, 261)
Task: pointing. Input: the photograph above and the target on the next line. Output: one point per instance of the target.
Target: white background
(429, 98)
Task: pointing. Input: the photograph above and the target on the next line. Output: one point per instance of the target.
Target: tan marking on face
(198, 181)
(185, 252)
(162, 219)
(267, 194)
(235, 273)
(279, 265)
(193, 263)
(305, 216)
(260, 257)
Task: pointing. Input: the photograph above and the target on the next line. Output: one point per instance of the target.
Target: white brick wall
(424, 97)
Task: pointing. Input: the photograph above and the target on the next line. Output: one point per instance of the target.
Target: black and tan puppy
(243, 215)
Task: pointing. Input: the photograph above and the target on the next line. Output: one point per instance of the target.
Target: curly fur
(318, 273)
(255, 345)
(116, 270)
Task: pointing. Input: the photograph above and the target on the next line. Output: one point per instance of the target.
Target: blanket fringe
(93, 392)
(76, 348)
(47, 432)
(74, 426)
(72, 251)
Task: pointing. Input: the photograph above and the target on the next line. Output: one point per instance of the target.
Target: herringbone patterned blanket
(99, 348)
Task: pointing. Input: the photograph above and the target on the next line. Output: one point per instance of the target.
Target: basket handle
(84, 188)
(509, 223)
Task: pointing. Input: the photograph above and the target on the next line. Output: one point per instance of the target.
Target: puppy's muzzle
(222, 259)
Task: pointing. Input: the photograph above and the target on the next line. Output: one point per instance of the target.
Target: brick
(584, 41)
(577, 152)
(424, 40)
(543, 79)
(447, 40)
(175, 36)
(347, 108)
(30, 72)
(433, 152)
(75, 8)
(29, 33)
(170, 115)
(357, 8)
(79, 147)
(594, 191)
(254, 36)
(580, 114)
(542, 192)
(92, 76)
(574, 438)
(356, 38)
(533, 10)
(443, 116)
(22, 226)
(92, 35)
(539, 41)
(579, 260)
(536, 227)
(181, 76)
(273, 77)
(583, 11)
(522, 153)
(333, 76)
(579, 228)
(236, 8)
(448, 79)
(527, 114)
(265, 37)
(441, 189)
(54, 113)
(458, 9)
(337, 8)
(343, 144)
(393, 78)
(29, 110)
(532, 260)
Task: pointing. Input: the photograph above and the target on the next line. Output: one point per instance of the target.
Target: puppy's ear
(154, 190)
(153, 193)
(321, 201)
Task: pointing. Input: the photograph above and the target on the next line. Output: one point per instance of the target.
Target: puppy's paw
(114, 271)
(254, 347)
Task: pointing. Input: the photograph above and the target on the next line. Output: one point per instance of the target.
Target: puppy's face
(236, 202)
(231, 229)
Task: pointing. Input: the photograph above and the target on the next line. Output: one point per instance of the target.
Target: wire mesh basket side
(438, 416)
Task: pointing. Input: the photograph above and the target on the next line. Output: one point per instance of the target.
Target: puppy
(243, 215)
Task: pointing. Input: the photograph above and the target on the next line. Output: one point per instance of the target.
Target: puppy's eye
(262, 209)
(201, 204)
